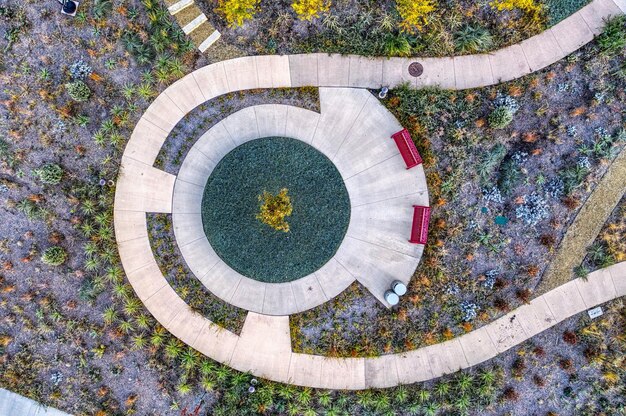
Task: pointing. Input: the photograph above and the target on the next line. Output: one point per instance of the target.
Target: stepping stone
(190, 18)
(210, 40)
(177, 7)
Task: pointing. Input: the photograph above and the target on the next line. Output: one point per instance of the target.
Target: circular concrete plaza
(365, 240)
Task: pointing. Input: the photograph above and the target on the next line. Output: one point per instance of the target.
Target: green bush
(509, 176)
(612, 41)
(101, 9)
(50, 174)
(397, 45)
(472, 39)
(78, 90)
(500, 118)
(54, 256)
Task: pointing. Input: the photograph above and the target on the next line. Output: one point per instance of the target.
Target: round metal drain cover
(416, 69)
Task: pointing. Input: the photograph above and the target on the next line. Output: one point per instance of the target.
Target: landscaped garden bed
(385, 28)
(508, 168)
(610, 245)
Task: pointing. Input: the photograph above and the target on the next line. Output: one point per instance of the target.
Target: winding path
(12, 404)
(264, 346)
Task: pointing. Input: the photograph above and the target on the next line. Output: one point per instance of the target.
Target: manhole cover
(416, 69)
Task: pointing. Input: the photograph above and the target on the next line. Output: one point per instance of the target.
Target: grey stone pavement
(264, 346)
(12, 404)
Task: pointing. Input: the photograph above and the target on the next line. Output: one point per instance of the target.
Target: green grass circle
(318, 223)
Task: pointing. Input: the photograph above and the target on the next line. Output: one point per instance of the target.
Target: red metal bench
(419, 229)
(407, 148)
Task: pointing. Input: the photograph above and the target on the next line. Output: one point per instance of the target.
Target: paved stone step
(188, 15)
(179, 6)
(210, 40)
(194, 24)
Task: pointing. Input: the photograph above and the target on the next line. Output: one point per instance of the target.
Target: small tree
(274, 209)
(310, 9)
(236, 12)
(54, 256)
(50, 174)
(414, 13)
(78, 90)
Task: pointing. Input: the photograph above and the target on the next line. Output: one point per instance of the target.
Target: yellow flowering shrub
(310, 9)
(236, 12)
(414, 13)
(533, 11)
(274, 209)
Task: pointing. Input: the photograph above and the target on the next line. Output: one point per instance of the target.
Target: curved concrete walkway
(353, 131)
(12, 404)
(264, 346)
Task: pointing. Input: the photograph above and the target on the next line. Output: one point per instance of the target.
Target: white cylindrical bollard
(391, 297)
(398, 287)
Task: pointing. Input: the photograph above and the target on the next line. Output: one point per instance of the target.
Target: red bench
(419, 230)
(407, 148)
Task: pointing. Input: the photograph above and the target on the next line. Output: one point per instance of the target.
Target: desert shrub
(310, 9)
(508, 176)
(500, 118)
(50, 174)
(560, 9)
(274, 209)
(505, 108)
(236, 12)
(533, 210)
(101, 9)
(555, 187)
(573, 177)
(414, 13)
(613, 38)
(80, 70)
(472, 39)
(54, 256)
(78, 90)
(397, 45)
(469, 311)
(489, 161)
